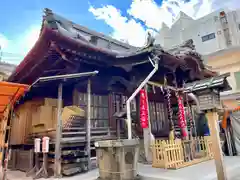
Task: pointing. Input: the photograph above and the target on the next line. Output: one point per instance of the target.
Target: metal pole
(88, 126)
(129, 119)
(57, 165)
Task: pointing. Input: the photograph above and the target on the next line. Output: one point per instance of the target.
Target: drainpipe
(129, 119)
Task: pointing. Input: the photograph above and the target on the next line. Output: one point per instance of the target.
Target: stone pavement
(203, 171)
(17, 175)
(236, 177)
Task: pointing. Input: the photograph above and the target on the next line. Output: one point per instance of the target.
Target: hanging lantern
(45, 144)
(37, 145)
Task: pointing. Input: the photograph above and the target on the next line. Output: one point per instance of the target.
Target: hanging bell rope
(189, 114)
(170, 111)
(181, 115)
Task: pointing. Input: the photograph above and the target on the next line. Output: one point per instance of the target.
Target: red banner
(143, 109)
(182, 120)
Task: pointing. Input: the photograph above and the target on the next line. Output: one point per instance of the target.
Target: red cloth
(181, 117)
(143, 109)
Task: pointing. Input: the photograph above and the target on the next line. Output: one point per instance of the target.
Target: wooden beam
(147, 134)
(52, 70)
(57, 165)
(161, 85)
(88, 126)
(212, 117)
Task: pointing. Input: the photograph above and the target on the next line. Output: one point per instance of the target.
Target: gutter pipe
(129, 119)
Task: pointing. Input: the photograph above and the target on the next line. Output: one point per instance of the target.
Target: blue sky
(127, 20)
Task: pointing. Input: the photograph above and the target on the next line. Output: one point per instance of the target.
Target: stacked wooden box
(38, 118)
(73, 141)
(21, 159)
(32, 116)
(22, 122)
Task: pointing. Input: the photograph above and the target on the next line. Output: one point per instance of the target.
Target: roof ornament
(47, 11)
(150, 40)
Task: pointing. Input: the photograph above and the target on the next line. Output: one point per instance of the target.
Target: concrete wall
(186, 28)
(230, 103)
(222, 52)
(227, 61)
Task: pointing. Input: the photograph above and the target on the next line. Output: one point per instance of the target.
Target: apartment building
(216, 31)
(217, 37)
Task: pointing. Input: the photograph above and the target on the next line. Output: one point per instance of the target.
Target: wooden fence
(174, 154)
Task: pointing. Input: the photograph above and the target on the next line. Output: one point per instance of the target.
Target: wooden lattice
(175, 154)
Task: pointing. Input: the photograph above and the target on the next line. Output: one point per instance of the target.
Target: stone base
(136, 178)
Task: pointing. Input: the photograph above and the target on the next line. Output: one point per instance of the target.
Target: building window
(224, 20)
(239, 26)
(99, 109)
(227, 36)
(219, 32)
(237, 79)
(94, 40)
(109, 45)
(208, 37)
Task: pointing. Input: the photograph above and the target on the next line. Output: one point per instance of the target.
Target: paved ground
(203, 171)
(17, 175)
(236, 177)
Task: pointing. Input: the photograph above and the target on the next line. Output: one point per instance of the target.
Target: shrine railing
(174, 154)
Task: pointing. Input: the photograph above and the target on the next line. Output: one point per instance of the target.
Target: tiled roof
(217, 82)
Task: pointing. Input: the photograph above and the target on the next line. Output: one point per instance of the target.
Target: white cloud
(153, 15)
(140, 10)
(14, 50)
(124, 29)
(28, 39)
(3, 41)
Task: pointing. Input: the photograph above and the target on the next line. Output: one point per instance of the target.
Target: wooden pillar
(147, 133)
(118, 109)
(212, 117)
(110, 112)
(57, 164)
(88, 125)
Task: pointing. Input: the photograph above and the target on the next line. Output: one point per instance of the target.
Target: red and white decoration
(45, 144)
(37, 145)
(143, 109)
(181, 117)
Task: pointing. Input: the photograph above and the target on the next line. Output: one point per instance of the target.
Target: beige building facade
(224, 61)
(217, 37)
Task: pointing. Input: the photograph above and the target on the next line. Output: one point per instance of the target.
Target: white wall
(185, 28)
